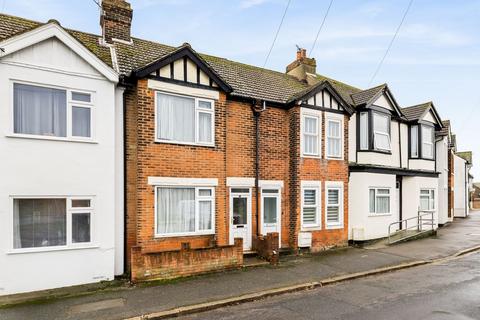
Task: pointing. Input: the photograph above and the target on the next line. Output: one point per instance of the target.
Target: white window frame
(312, 185)
(335, 185)
(339, 120)
(363, 121)
(431, 199)
(414, 152)
(70, 103)
(198, 199)
(70, 211)
(426, 142)
(198, 110)
(387, 134)
(383, 196)
(314, 114)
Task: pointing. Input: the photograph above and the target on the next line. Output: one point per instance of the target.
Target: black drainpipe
(256, 113)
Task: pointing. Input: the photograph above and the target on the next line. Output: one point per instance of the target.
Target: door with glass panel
(271, 211)
(241, 216)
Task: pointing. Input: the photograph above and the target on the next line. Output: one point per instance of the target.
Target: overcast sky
(435, 57)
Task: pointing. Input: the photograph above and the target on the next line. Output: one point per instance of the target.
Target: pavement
(447, 290)
(292, 272)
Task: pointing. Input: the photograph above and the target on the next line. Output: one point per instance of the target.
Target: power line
(276, 34)
(391, 42)
(321, 26)
(97, 3)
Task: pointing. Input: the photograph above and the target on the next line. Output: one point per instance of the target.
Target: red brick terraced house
(220, 158)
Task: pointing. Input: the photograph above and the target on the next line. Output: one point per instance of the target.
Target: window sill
(51, 249)
(209, 145)
(49, 138)
(334, 226)
(310, 156)
(379, 214)
(312, 228)
(334, 158)
(376, 151)
(174, 235)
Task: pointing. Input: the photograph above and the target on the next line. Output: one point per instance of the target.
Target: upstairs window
(427, 142)
(381, 131)
(364, 131)
(310, 135)
(334, 138)
(414, 141)
(182, 119)
(43, 111)
(422, 142)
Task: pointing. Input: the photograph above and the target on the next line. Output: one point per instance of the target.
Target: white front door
(241, 216)
(271, 211)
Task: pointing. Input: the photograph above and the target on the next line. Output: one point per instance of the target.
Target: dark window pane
(39, 111)
(81, 203)
(39, 223)
(80, 227)
(239, 211)
(78, 96)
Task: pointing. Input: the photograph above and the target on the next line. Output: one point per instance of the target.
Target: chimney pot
(302, 65)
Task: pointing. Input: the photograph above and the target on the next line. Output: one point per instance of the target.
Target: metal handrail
(423, 218)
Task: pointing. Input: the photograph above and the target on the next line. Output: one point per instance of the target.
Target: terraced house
(159, 161)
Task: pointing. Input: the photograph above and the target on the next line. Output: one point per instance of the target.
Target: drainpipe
(257, 110)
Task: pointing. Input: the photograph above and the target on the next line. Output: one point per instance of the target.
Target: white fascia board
(240, 182)
(182, 90)
(172, 181)
(51, 30)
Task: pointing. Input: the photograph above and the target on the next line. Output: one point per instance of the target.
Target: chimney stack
(302, 65)
(116, 20)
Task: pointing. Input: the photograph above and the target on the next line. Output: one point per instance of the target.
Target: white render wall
(442, 168)
(411, 196)
(460, 208)
(363, 225)
(37, 167)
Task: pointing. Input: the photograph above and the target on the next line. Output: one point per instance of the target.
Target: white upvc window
(414, 141)
(363, 130)
(310, 138)
(311, 204)
(52, 112)
(381, 131)
(334, 204)
(334, 145)
(379, 200)
(184, 211)
(427, 199)
(184, 120)
(427, 142)
(42, 223)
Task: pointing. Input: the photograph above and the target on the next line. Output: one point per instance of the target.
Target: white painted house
(460, 204)
(61, 194)
(393, 174)
(442, 153)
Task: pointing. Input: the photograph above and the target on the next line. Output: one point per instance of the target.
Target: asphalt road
(441, 291)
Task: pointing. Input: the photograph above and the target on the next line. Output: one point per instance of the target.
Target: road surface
(441, 291)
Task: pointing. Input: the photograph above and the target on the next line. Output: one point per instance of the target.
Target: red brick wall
(320, 170)
(173, 264)
(232, 156)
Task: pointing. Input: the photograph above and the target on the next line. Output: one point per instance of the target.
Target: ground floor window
(427, 199)
(51, 222)
(334, 204)
(310, 206)
(379, 200)
(184, 211)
